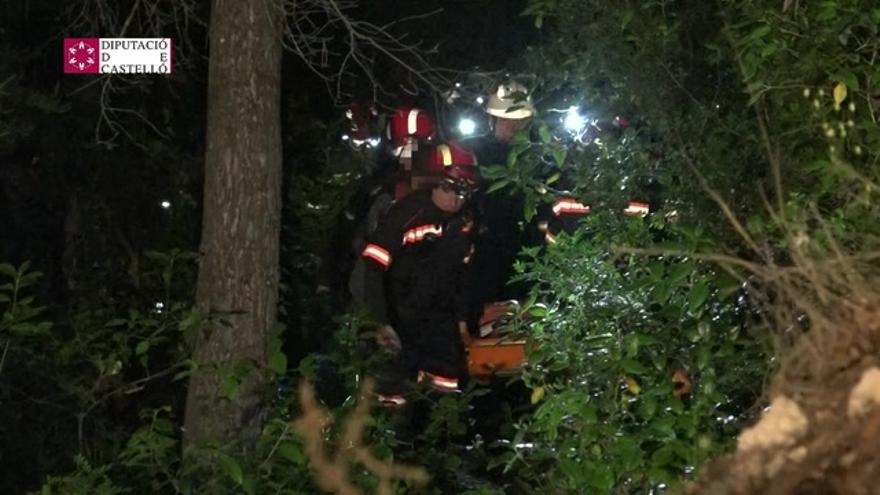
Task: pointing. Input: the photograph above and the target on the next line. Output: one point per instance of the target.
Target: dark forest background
(653, 342)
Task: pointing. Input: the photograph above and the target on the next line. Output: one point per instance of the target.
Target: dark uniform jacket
(417, 275)
(500, 238)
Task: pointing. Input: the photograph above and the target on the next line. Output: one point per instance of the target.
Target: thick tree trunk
(238, 272)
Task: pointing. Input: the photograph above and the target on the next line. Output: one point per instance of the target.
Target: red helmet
(464, 175)
(449, 154)
(446, 162)
(457, 164)
(408, 122)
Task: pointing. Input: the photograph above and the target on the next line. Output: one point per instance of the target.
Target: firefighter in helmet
(408, 128)
(509, 108)
(417, 272)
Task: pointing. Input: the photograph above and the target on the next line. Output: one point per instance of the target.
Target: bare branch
(331, 467)
(335, 46)
(138, 18)
(314, 27)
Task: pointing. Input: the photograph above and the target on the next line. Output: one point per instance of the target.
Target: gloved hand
(387, 339)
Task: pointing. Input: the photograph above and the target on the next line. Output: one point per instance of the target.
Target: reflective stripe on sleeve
(570, 206)
(419, 233)
(377, 254)
(636, 208)
(438, 382)
(391, 400)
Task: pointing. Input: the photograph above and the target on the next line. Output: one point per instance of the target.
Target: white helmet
(511, 101)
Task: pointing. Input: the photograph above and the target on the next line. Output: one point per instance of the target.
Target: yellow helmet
(510, 101)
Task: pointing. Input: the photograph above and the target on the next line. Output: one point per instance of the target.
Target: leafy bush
(751, 127)
(641, 368)
(80, 384)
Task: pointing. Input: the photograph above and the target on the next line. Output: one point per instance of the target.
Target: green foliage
(19, 312)
(617, 329)
(313, 208)
(86, 480)
(21, 107)
(735, 96)
(80, 384)
(116, 382)
(772, 113)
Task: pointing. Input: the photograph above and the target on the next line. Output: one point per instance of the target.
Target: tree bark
(238, 271)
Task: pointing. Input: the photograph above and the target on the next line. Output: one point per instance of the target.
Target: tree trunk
(238, 271)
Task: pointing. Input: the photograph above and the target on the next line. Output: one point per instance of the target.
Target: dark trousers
(429, 344)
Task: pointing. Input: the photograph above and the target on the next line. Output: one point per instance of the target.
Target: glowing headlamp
(574, 121)
(466, 127)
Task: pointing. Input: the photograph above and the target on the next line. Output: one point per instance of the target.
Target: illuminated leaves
(839, 94)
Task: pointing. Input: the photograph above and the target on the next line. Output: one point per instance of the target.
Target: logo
(81, 55)
(117, 55)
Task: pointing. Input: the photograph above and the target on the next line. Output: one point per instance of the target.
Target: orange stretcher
(492, 355)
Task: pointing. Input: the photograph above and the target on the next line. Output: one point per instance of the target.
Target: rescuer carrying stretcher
(417, 280)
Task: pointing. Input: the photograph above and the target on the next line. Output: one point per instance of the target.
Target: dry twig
(331, 467)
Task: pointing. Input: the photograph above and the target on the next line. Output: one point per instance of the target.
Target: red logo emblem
(81, 55)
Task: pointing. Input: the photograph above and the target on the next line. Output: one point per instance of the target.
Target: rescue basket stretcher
(492, 355)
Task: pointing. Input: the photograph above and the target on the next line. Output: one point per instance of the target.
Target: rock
(798, 454)
(866, 394)
(775, 464)
(781, 426)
